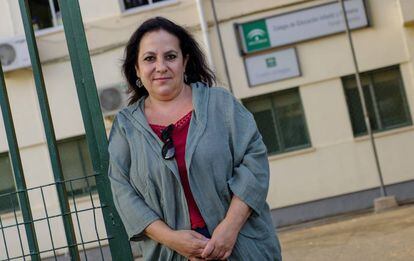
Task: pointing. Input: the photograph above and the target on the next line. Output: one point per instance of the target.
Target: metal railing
(70, 210)
(90, 209)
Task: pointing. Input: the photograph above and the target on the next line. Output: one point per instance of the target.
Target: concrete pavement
(368, 236)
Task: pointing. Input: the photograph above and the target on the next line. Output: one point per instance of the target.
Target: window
(129, 4)
(7, 201)
(385, 99)
(281, 121)
(76, 164)
(45, 13)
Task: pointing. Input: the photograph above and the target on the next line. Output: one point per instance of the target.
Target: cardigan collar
(200, 99)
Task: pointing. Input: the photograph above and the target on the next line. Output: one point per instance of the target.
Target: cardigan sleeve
(250, 177)
(135, 214)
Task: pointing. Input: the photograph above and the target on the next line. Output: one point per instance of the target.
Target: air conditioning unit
(112, 99)
(14, 53)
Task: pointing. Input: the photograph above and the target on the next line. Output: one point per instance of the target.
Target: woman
(188, 168)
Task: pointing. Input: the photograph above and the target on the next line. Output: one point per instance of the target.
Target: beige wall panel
(383, 43)
(63, 101)
(217, 58)
(325, 172)
(87, 220)
(407, 73)
(117, 30)
(6, 28)
(407, 11)
(235, 63)
(44, 240)
(334, 55)
(107, 67)
(395, 154)
(98, 9)
(38, 172)
(25, 108)
(37, 169)
(326, 113)
(52, 45)
(409, 40)
(227, 9)
(16, 18)
(62, 94)
(12, 239)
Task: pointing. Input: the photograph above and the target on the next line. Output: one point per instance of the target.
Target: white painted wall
(6, 30)
(99, 9)
(25, 110)
(337, 163)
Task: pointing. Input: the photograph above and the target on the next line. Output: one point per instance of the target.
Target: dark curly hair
(196, 69)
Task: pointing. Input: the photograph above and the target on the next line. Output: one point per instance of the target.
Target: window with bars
(45, 14)
(76, 165)
(281, 121)
(130, 4)
(8, 199)
(385, 98)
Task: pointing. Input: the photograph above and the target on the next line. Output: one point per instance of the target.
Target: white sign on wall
(301, 25)
(273, 66)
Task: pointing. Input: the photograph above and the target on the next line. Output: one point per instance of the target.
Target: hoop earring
(139, 83)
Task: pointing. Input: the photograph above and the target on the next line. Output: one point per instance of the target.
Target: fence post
(49, 130)
(18, 171)
(94, 126)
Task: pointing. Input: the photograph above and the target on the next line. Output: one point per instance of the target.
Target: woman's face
(161, 65)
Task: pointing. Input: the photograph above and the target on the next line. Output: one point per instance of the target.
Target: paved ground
(385, 236)
(356, 237)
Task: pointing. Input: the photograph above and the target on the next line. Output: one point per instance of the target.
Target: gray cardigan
(225, 155)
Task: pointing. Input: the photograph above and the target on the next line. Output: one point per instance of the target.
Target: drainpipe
(226, 68)
(383, 202)
(204, 30)
(53, 12)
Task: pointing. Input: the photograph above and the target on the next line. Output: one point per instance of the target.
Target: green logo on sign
(255, 35)
(271, 62)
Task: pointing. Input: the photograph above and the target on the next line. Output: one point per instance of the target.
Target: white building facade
(288, 61)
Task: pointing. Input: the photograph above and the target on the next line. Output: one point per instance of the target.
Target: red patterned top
(179, 136)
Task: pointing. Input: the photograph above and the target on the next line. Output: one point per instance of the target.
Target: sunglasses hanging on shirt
(168, 150)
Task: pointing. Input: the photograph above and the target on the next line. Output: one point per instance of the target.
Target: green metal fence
(72, 215)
